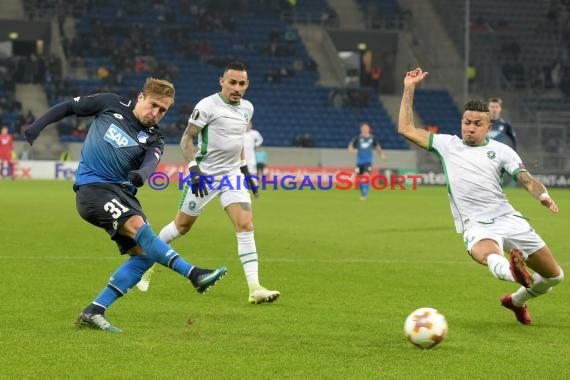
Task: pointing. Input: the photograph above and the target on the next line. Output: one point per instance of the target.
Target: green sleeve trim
(516, 172)
(430, 142)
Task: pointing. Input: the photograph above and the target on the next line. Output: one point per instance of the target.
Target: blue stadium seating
(282, 110)
(436, 107)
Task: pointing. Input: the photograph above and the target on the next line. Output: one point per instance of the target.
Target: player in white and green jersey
(218, 169)
(221, 129)
(473, 177)
(473, 166)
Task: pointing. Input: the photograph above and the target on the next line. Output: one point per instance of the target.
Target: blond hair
(158, 87)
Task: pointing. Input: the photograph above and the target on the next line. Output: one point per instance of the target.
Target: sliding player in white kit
(218, 169)
(473, 165)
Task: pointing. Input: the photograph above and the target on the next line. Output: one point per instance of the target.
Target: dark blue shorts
(363, 169)
(109, 206)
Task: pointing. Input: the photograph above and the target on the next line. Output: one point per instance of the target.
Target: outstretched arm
(406, 126)
(537, 190)
(55, 113)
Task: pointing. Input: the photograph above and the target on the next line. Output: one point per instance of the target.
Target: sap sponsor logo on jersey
(118, 138)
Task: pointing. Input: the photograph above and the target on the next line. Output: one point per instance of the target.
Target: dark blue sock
(157, 250)
(364, 189)
(124, 278)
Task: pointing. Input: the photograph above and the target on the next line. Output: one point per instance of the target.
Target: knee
(479, 257)
(244, 226)
(558, 279)
(183, 228)
(136, 251)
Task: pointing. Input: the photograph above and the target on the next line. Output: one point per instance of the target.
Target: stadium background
(316, 67)
(349, 271)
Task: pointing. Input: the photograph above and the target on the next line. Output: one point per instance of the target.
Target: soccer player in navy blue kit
(121, 150)
(364, 146)
(502, 129)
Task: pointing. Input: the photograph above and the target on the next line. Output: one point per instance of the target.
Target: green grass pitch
(349, 272)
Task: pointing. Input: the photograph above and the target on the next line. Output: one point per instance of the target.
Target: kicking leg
(548, 274)
(178, 227)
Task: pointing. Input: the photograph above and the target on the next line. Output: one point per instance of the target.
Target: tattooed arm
(187, 142)
(537, 190)
(406, 126)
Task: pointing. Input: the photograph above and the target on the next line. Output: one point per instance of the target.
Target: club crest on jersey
(142, 137)
(118, 138)
(491, 155)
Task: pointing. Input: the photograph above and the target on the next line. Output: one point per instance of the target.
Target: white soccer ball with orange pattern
(425, 327)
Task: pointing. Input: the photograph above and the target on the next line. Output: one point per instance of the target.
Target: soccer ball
(425, 327)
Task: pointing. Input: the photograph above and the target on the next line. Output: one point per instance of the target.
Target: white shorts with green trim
(230, 188)
(509, 230)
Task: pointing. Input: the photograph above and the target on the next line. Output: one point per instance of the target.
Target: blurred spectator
(29, 119)
(349, 97)
(304, 140)
(297, 141)
(139, 65)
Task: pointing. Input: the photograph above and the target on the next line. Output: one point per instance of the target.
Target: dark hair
(476, 105)
(496, 100)
(235, 65)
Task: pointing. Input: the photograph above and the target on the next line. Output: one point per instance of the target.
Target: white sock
(248, 257)
(499, 267)
(541, 286)
(169, 233)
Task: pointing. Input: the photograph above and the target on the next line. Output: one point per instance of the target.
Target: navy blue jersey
(501, 130)
(365, 148)
(116, 142)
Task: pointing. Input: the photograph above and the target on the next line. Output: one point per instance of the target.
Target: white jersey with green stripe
(473, 175)
(222, 127)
